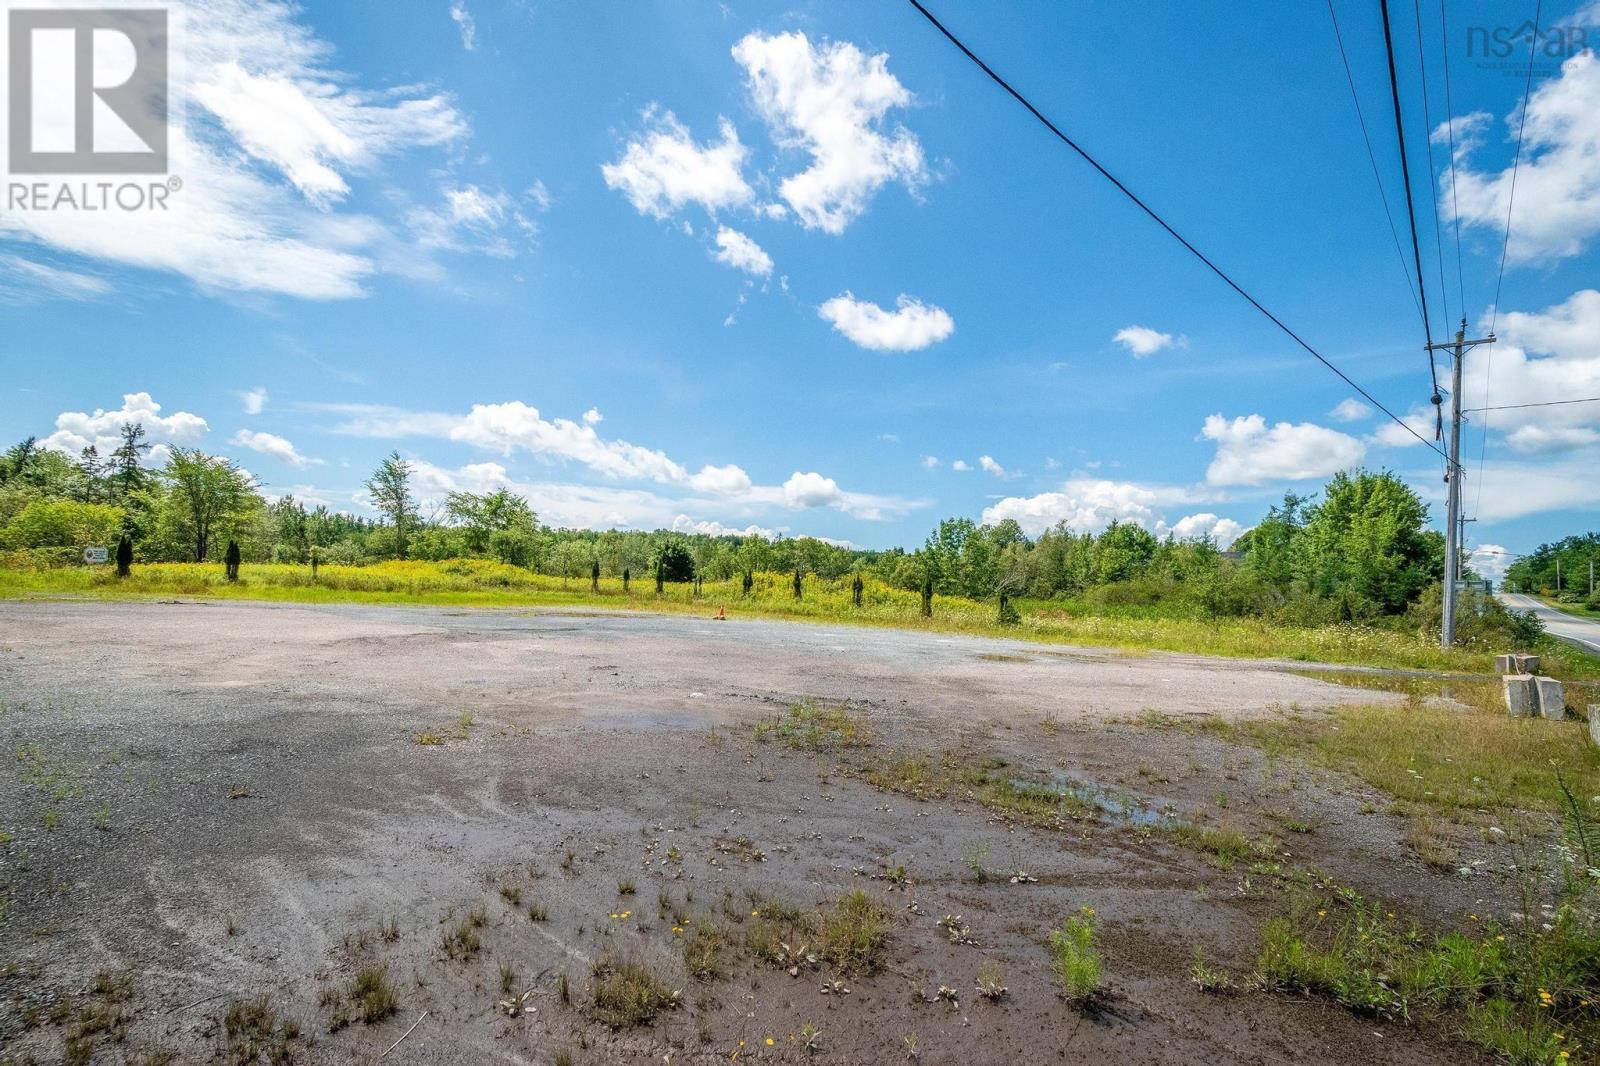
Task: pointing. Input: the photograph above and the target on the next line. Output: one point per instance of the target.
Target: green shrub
(1074, 957)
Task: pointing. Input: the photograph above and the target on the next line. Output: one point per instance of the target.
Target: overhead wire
(1411, 215)
(1372, 158)
(1505, 242)
(1433, 170)
(1163, 223)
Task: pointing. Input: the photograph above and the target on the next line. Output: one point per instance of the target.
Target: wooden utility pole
(1453, 527)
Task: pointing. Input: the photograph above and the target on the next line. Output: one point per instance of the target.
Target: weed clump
(1075, 959)
(628, 994)
(811, 726)
(369, 998)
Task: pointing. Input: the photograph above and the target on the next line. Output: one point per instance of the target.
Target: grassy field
(488, 584)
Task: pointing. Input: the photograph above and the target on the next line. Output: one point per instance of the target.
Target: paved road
(1583, 632)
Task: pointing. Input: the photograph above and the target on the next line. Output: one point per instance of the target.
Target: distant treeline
(1361, 551)
(1565, 563)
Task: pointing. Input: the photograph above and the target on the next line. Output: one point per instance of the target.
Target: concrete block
(1505, 664)
(1521, 699)
(1594, 724)
(1552, 699)
(1526, 664)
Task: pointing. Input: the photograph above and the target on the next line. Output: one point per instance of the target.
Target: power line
(1433, 185)
(1505, 243)
(1411, 215)
(1373, 159)
(1148, 210)
(1450, 127)
(1546, 403)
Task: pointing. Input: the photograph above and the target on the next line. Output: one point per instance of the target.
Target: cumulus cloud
(253, 400)
(1553, 354)
(1143, 341)
(1350, 410)
(1556, 211)
(930, 462)
(684, 524)
(1249, 452)
(911, 326)
(272, 139)
(830, 101)
(593, 417)
(76, 430)
(960, 466)
(742, 253)
(273, 445)
(1221, 531)
(664, 169)
(1089, 505)
(1490, 561)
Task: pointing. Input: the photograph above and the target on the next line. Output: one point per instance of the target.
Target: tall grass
(475, 582)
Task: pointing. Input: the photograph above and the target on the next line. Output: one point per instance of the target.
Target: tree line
(1361, 550)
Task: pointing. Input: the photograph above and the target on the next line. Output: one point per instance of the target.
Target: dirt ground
(229, 801)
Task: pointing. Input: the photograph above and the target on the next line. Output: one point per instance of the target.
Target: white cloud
(1490, 561)
(1224, 531)
(463, 20)
(1089, 505)
(76, 430)
(911, 326)
(684, 524)
(742, 253)
(960, 466)
(272, 137)
(1350, 410)
(1143, 341)
(1510, 489)
(665, 169)
(830, 101)
(254, 400)
(273, 445)
(540, 196)
(1250, 453)
(930, 462)
(1552, 354)
(23, 280)
(988, 464)
(1541, 440)
(1557, 205)
(1422, 423)
(593, 417)
(469, 217)
(511, 427)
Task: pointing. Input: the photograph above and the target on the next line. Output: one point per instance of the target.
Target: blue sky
(800, 267)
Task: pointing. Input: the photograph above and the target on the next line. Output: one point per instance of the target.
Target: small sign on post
(95, 555)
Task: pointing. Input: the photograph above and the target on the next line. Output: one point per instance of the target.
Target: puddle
(1121, 809)
(997, 657)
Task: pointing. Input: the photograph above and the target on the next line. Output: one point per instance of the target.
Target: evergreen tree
(927, 595)
(856, 588)
(594, 577)
(126, 467)
(124, 557)
(749, 582)
(390, 486)
(799, 583)
(626, 576)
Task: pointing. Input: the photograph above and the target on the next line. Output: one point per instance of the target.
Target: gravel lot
(230, 800)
